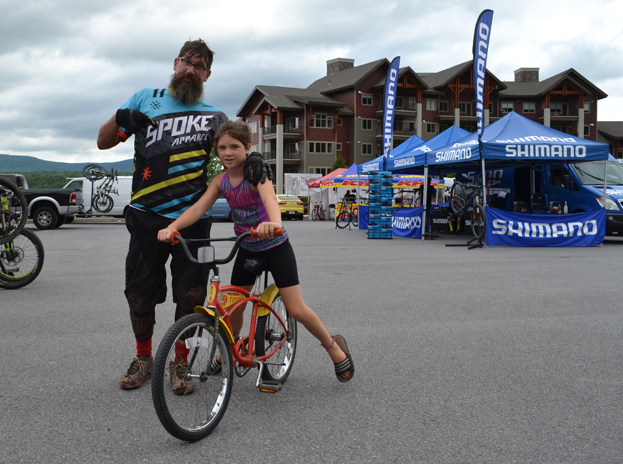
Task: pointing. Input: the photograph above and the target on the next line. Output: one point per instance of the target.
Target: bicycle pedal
(269, 386)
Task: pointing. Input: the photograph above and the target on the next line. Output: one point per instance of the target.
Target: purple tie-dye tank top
(248, 212)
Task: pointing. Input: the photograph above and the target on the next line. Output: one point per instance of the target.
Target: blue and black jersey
(170, 159)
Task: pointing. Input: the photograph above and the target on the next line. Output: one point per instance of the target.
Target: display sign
(407, 222)
(544, 230)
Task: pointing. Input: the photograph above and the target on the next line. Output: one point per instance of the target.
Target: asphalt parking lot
(492, 355)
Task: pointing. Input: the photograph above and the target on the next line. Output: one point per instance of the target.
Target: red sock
(181, 352)
(143, 347)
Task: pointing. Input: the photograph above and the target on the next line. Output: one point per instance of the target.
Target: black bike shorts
(281, 264)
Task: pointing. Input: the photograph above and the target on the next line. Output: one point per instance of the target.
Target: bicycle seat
(256, 266)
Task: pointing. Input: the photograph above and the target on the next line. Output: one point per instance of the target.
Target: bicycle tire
(341, 219)
(314, 215)
(21, 260)
(13, 210)
(268, 332)
(193, 415)
(354, 217)
(94, 172)
(479, 221)
(103, 203)
(321, 215)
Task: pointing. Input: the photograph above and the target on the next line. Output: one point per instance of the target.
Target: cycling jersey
(170, 159)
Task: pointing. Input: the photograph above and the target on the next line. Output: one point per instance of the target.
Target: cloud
(67, 65)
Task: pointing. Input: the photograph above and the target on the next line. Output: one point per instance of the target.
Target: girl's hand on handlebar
(164, 235)
(266, 230)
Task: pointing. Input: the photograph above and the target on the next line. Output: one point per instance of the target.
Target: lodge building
(304, 130)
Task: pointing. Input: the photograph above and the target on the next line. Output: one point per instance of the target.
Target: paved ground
(494, 355)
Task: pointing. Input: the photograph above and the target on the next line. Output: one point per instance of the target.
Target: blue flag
(481, 51)
(391, 84)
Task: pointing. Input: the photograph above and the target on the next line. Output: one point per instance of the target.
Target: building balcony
(404, 110)
(289, 158)
(290, 134)
(397, 133)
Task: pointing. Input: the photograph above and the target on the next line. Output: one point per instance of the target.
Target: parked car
(291, 206)
(221, 209)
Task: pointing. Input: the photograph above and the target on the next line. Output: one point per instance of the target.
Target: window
(366, 124)
(321, 171)
(255, 148)
(339, 121)
(431, 105)
(412, 103)
(338, 147)
(443, 106)
(253, 127)
(292, 124)
(443, 127)
(564, 129)
(528, 107)
(321, 120)
(291, 170)
(507, 107)
(431, 128)
(320, 147)
(559, 109)
(490, 108)
(366, 99)
(465, 108)
(587, 107)
(399, 102)
(366, 148)
(587, 131)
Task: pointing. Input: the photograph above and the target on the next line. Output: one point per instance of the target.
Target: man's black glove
(256, 169)
(133, 120)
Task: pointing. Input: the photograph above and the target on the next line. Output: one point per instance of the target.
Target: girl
(257, 207)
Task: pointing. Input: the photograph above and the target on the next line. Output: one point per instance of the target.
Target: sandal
(345, 366)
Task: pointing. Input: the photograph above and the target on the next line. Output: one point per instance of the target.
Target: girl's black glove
(257, 169)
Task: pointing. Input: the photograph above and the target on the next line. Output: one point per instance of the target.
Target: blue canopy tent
(514, 141)
(379, 163)
(414, 158)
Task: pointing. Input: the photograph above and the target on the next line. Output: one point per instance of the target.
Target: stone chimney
(339, 64)
(527, 75)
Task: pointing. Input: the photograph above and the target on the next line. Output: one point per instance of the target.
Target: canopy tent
(350, 179)
(415, 158)
(379, 163)
(316, 183)
(515, 141)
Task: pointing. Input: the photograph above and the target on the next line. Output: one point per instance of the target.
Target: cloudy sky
(67, 65)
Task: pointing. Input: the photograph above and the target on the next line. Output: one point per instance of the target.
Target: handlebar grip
(175, 241)
(278, 232)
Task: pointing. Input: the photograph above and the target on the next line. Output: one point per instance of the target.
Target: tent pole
(484, 182)
(424, 193)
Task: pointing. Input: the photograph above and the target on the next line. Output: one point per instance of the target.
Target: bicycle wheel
(341, 219)
(94, 172)
(13, 210)
(21, 260)
(314, 215)
(354, 217)
(479, 221)
(268, 333)
(457, 198)
(321, 215)
(191, 414)
(103, 203)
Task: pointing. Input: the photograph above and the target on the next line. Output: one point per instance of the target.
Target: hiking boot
(138, 372)
(177, 372)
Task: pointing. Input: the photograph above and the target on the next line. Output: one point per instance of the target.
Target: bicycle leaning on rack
(348, 214)
(318, 213)
(464, 196)
(101, 200)
(192, 346)
(13, 210)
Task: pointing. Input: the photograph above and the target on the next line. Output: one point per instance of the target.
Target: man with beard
(173, 131)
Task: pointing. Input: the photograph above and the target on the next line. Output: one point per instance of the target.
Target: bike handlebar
(176, 238)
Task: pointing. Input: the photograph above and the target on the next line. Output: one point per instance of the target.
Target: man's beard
(186, 92)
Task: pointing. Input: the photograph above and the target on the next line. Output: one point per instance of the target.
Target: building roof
(347, 78)
(402, 72)
(611, 129)
(288, 99)
(537, 89)
(446, 76)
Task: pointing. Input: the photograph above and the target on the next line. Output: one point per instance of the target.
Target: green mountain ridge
(17, 164)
